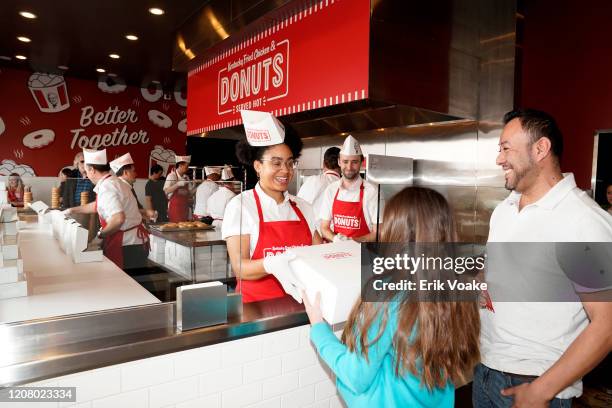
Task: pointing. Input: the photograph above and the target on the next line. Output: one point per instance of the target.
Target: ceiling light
(27, 14)
(110, 74)
(5, 58)
(100, 70)
(20, 57)
(24, 39)
(114, 56)
(131, 37)
(63, 67)
(156, 11)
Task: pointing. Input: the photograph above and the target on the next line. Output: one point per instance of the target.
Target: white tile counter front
(277, 370)
(57, 286)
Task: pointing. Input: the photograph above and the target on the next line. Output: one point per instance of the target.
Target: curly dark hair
(247, 154)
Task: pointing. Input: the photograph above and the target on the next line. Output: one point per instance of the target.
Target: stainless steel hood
(424, 61)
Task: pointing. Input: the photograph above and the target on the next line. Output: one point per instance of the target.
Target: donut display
(111, 85)
(182, 126)
(39, 138)
(152, 93)
(160, 119)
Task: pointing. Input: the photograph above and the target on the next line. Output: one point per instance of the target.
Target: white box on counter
(78, 248)
(8, 228)
(3, 196)
(10, 249)
(8, 214)
(11, 270)
(333, 270)
(14, 289)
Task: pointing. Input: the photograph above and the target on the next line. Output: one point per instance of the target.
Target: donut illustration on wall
(182, 126)
(180, 93)
(152, 92)
(49, 92)
(159, 119)
(8, 167)
(111, 85)
(2, 127)
(39, 138)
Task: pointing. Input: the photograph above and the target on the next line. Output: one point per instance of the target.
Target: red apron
(348, 218)
(112, 245)
(178, 205)
(274, 237)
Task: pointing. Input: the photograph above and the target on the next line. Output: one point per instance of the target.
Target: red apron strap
(258, 204)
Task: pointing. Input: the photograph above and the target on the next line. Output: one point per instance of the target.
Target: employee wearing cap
(261, 223)
(350, 205)
(218, 201)
(205, 190)
(125, 239)
(124, 169)
(178, 190)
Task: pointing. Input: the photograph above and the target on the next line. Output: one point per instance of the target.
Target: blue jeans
(487, 386)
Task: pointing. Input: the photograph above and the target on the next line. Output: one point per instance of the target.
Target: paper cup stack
(55, 197)
(27, 198)
(84, 197)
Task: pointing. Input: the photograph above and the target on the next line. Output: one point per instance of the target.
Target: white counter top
(59, 287)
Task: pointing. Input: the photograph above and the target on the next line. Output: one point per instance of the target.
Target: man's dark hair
(156, 168)
(330, 158)
(123, 169)
(67, 172)
(102, 168)
(538, 124)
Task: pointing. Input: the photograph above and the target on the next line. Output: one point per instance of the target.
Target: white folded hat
(178, 159)
(121, 161)
(94, 156)
(262, 128)
(227, 173)
(208, 170)
(350, 147)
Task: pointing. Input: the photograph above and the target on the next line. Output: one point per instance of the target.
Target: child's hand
(313, 309)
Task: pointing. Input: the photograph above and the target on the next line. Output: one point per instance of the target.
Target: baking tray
(156, 228)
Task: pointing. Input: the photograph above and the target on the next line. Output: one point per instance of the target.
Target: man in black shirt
(155, 198)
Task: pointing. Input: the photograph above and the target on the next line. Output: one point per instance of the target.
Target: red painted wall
(45, 121)
(567, 71)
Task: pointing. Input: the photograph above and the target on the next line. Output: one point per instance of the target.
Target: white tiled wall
(274, 370)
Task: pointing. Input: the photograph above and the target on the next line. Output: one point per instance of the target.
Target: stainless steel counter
(38, 350)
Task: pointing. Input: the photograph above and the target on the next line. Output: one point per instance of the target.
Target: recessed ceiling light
(156, 82)
(156, 11)
(20, 57)
(100, 70)
(131, 37)
(63, 67)
(5, 58)
(27, 14)
(24, 39)
(114, 56)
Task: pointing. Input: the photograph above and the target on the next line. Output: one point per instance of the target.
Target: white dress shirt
(115, 196)
(314, 186)
(203, 193)
(218, 201)
(272, 211)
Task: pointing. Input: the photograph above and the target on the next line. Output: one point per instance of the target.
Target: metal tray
(156, 228)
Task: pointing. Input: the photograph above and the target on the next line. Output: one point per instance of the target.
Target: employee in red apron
(179, 191)
(261, 223)
(125, 170)
(349, 208)
(125, 241)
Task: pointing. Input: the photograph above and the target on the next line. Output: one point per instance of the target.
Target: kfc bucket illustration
(163, 157)
(49, 91)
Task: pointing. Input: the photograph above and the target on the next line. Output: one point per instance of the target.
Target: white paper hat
(227, 173)
(350, 147)
(94, 156)
(262, 128)
(210, 170)
(119, 162)
(185, 159)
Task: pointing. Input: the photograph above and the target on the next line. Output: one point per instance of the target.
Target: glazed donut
(111, 85)
(160, 119)
(152, 92)
(39, 138)
(179, 89)
(182, 125)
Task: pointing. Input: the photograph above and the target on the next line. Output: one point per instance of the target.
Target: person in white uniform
(125, 239)
(261, 223)
(218, 201)
(534, 353)
(350, 206)
(205, 190)
(125, 170)
(179, 191)
(314, 186)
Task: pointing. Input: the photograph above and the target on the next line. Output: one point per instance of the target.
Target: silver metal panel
(200, 305)
(384, 169)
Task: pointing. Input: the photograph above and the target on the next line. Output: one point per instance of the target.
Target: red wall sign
(46, 119)
(311, 57)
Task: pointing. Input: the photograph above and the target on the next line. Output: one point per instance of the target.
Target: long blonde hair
(445, 342)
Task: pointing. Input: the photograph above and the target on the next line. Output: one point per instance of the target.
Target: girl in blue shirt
(400, 352)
